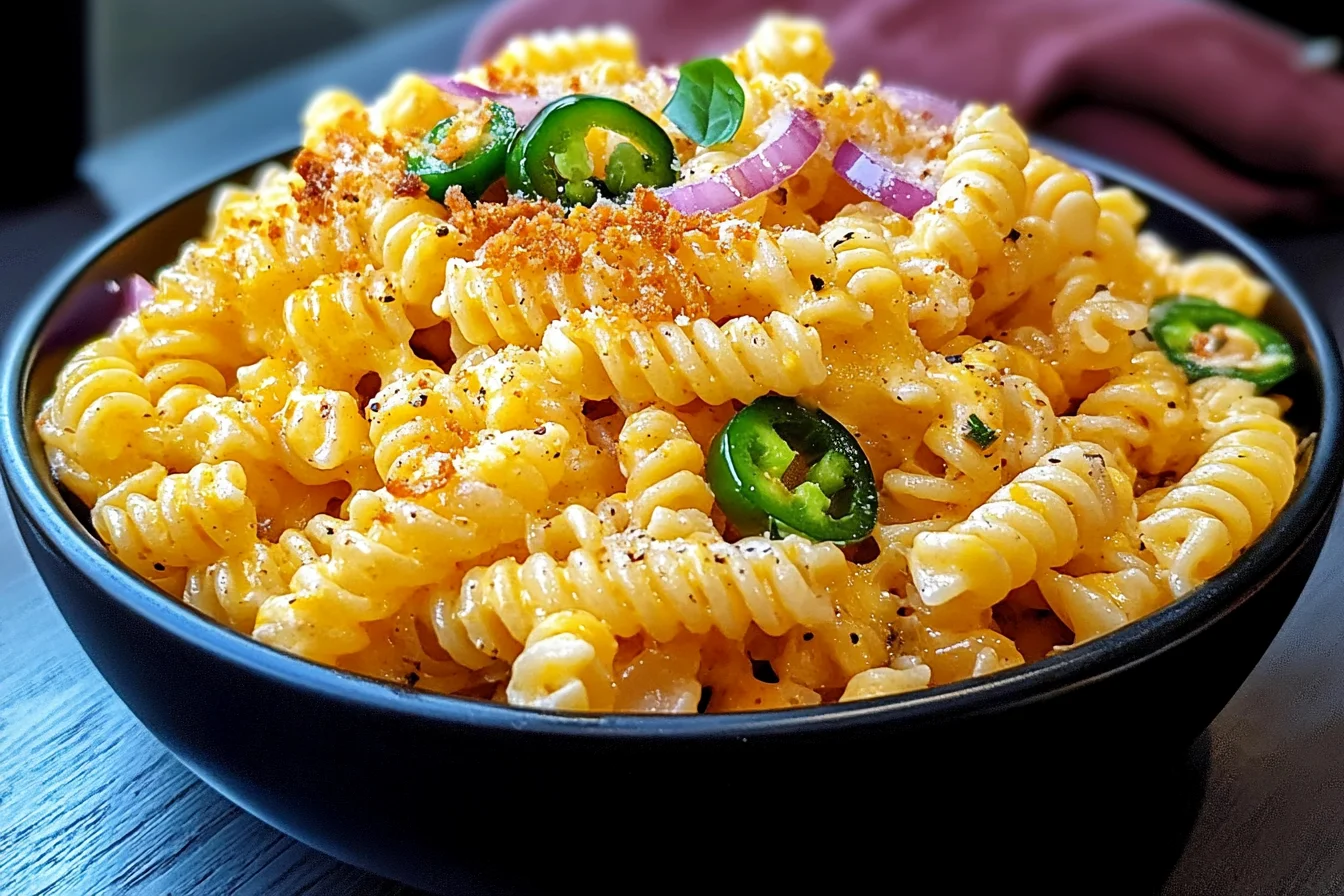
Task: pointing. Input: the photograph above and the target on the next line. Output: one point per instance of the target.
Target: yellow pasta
(98, 425)
(1098, 603)
(780, 45)
(155, 522)
(983, 191)
(411, 106)
(347, 326)
(1231, 493)
(662, 466)
(447, 509)
(661, 678)
(567, 663)
(232, 588)
(741, 359)
(563, 52)
(485, 446)
(1223, 279)
(884, 681)
(1062, 195)
(635, 584)
(1145, 415)
(1072, 498)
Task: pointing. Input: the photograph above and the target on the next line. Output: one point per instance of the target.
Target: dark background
(117, 106)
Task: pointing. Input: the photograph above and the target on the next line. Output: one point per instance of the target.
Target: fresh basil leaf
(708, 103)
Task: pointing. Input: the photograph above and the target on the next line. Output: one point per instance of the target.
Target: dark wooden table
(90, 803)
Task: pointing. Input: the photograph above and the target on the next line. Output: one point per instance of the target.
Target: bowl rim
(1312, 504)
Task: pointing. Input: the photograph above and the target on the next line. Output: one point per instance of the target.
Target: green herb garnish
(979, 433)
(708, 103)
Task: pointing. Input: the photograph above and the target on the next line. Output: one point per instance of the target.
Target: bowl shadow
(1122, 832)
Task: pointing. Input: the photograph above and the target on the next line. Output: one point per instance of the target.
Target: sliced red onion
(525, 108)
(669, 76)
(94, 309)
(881, 179)
(792, 141)
(941, 111)
(136, 293)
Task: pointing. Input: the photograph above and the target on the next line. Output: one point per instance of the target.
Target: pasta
(710, 425)
(983, 191)
(638, 583)
(156, 522)
(739, 360)
(568, 663)
(662, 465)
(1232, 492)
(1047, 516)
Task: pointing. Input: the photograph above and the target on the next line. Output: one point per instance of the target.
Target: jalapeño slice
(754, 461)
(476, 169)
(1205, 339)
(550, 158)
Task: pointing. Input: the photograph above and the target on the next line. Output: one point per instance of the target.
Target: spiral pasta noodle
(1230, 494)
(663, 466)
(1096, 604)
(982, 193)
(411, 106)
(567, 663)
(665, 491)
(636, 583)
(971, 472)
(1059, 223)
(955, 645)
(576, 527)
(444, 511)
(865, 275)
(1223, 279)
(780, 45)
(1031, 255)
(99, 424)
(232, 588)
(346, 326)
(409, 235)
(741, 359)
(506, 296)
(1041, 520)
(662, 678)
(1064, 196)
(1093, 323)
(563, 52)
(885, 681)
(1131, 276)
(156, 521)
(1145, 415)
(220, 302)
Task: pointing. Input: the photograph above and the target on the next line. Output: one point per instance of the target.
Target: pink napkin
(1214, 103)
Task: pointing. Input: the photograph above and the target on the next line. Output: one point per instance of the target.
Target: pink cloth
(1197, 95)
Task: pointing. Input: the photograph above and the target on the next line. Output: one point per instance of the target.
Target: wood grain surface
(90, 803)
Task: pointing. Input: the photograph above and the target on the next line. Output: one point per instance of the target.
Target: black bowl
(408, 784)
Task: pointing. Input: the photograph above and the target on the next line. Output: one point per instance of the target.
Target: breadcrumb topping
(641, 239)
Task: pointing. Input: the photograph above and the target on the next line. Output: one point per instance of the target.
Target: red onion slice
(136, 293)
(939, 110)
(525, 108)
(881, 179)
(97, 307)
(793, 141)
(669, 76)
